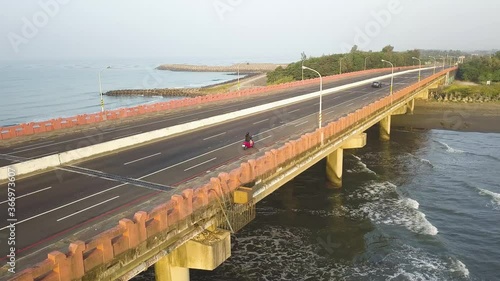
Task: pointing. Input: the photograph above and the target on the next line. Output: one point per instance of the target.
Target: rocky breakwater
(188, 92)
(243, 67)
(467, 94)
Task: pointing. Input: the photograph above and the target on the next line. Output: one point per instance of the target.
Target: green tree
(388, 49)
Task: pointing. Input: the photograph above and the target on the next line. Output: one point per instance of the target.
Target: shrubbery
(353, 61)
(480, 69)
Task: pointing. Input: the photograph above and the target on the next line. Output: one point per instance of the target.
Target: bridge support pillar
(164, 271)
(385, 128)
(334, 161)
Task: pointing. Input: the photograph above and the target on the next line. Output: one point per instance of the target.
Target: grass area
(218, 89)
(285, 79)
(473, 90)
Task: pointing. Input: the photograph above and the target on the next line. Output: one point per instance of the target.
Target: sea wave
(361, 167)
(495, 197)
(385, 206)
(421, 160)
(279, 252)
(449, 148)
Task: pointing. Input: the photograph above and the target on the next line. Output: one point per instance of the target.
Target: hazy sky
(240, 29)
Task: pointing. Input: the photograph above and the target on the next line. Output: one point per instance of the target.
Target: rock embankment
(243, 67)
(190, 92)
(462, 97)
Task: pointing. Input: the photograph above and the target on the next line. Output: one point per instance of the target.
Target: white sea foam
(284, 250)
(361, 167)
(383, 208)
(425, 161)
(458, 266)
(449, 148)
(411, 203)
(495, 197)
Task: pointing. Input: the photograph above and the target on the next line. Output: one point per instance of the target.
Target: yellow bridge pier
(206, 251)
(334, 161)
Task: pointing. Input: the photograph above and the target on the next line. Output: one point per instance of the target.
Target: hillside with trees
(353, 61)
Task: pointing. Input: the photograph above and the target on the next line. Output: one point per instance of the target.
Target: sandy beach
(467, 117)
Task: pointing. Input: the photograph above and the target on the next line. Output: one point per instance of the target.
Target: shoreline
(242, 67)
(462, 117)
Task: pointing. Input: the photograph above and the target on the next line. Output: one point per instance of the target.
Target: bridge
(106, 205)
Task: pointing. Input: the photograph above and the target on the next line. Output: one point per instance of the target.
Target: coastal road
(59, 203)
(114, 130)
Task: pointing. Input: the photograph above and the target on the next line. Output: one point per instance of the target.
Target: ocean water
(423, 206)
(40, 90)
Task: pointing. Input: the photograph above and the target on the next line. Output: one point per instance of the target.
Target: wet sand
(466, 117)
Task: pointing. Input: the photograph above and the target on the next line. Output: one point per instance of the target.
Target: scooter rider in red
(248, 141)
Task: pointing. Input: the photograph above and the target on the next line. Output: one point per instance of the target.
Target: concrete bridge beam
(334, 161)
(400, 111)
(385, 128)
(411, 106)
(422, 94)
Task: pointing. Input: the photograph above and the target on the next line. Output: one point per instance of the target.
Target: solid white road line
(21, 196)
(255, 123)
(349, 104)
(65, 205)
(197, 165)
(127, 135)
(83, 210)
(214, 136)
(262, 139)
(301, 123)
(137, 160)
(365, 97)
(36, 144)
(45, 154)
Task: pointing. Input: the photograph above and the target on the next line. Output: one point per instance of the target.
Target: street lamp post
(392, 76)
(419, 66)
(444, 60)
(238, 76)
(365, 62)
(100, 88)
(340, 65)
(434, 71)
(320, 98)
(302, 70)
